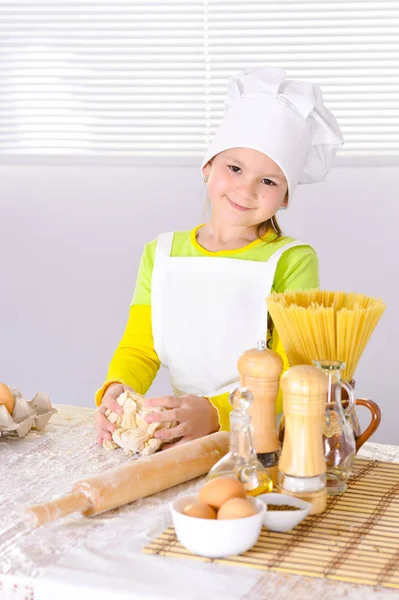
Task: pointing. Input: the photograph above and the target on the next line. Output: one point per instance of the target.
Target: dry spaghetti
(325, 325)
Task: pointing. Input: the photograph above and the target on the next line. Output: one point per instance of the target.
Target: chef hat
(284, 119)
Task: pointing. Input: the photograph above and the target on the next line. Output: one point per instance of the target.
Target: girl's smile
(237, 206)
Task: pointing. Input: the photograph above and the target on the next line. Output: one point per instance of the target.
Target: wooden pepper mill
(260, 370)
(302, 464)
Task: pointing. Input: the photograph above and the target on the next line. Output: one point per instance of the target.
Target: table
(80, 558)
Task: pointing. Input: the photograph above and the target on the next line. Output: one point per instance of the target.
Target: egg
(201, 511)
(236, 508)
(217, 491)
(6, 397)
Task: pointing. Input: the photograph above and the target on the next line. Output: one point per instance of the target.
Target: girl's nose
(245, 189)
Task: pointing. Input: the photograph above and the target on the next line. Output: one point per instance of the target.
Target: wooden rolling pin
(142, 477)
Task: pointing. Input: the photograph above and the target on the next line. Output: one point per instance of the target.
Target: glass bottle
(338, 435)
(241, 461)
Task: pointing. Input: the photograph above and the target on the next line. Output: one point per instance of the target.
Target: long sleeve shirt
(135, 361)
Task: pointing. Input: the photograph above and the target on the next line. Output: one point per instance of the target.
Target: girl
(200, 296)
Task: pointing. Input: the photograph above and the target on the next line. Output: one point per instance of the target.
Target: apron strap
(164, 245)
(165, 241)
(273, 260)
(162, 255)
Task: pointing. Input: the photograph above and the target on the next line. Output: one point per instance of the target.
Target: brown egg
(6, 397)
(236, 508)
(201, 511)
(217, 491)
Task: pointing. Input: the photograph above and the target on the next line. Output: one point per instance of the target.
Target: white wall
(70, 242)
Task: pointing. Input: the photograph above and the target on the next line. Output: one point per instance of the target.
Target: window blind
(126, 78)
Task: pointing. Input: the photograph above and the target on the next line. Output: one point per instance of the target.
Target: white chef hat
(284, 119)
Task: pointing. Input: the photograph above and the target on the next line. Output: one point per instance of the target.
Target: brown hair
(269, 225)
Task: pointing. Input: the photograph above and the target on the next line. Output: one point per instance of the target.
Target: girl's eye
(236, 169)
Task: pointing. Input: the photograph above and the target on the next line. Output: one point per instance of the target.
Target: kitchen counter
(101, 557)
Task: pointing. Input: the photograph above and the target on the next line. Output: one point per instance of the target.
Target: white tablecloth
(100, 558)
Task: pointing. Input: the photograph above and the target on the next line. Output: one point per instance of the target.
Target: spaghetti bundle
(323, 325)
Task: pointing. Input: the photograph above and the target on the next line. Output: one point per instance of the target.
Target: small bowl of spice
(283, 512)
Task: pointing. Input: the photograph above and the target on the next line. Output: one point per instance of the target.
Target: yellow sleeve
(135, 362)
(223, 407)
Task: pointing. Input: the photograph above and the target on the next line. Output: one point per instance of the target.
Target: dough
(133, 434)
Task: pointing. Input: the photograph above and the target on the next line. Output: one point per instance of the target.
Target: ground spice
(281, 507)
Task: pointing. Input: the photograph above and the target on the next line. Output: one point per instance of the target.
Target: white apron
(206, 311)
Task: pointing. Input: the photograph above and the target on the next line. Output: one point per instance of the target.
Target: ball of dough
(132, 432)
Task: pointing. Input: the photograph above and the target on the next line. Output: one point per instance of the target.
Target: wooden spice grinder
(302, 464)
(260, 370)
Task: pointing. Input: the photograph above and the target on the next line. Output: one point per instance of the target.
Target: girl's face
(245, 187)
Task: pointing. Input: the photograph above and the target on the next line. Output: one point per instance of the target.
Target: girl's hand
(104, 428)
(195, 417)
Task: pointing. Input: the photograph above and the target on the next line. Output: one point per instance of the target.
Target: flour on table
(133, 434)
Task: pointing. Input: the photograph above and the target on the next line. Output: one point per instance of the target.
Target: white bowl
(286, 519)
(212, 537)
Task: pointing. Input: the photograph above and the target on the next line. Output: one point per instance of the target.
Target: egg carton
(27, 414)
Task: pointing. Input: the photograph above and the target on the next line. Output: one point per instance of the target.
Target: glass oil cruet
(241, 461)
(338, 436)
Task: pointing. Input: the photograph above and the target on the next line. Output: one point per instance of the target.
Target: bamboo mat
(355, 540)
